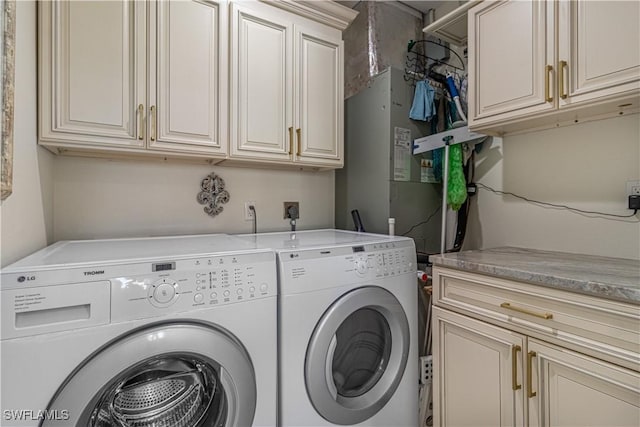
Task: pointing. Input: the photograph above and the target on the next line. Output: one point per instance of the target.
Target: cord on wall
(252, 208)
(423, 222)
(557, 206)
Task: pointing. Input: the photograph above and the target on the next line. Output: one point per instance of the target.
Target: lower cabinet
(475, 383)
(488, 373)
(565, 388)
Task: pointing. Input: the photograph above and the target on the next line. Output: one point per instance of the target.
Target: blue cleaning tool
(455, 95)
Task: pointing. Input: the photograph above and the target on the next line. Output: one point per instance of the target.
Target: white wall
(57, 198)
(26, 212)
(97, 198)
(584, 166)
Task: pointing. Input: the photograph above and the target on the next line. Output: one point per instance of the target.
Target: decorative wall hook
(213, 194)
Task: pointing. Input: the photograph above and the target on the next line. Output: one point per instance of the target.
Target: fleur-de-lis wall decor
(213, 194)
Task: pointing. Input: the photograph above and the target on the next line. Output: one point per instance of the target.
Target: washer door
(176, 374)
(357, 355)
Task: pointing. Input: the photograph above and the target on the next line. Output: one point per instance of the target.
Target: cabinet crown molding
(325, 12)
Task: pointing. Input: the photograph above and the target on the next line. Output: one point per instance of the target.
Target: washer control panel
(190, 284)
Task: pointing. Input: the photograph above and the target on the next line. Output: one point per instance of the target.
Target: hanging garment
(457, 186)
(422, 107)
(442, 119)
(437, 163)
(463, 90)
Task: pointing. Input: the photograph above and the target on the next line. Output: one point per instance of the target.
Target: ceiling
(419, 5)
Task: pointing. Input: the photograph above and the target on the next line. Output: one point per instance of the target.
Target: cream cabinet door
(511, 45)
(187, 70)
(261, 83)
(572, 389)
(319, 96)
(599, 50)
(478, 375)
(92, 72)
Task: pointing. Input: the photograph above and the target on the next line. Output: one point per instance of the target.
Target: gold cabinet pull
(508, 306)
(140, 121)
(530, 357)
(291, 141)
(547, 78)
(299, 134)
(153, 122)
(514, 368)
(561, 70)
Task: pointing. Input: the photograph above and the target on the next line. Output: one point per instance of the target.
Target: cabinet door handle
(561, 71)
(153, 122)
(140, 121)
(530, 357)
(547, 78)
(508, 306)
(514, 368)
(299, 134)
(291, 141)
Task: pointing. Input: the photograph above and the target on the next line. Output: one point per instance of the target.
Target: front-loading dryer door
(180, 374)
(357, 355)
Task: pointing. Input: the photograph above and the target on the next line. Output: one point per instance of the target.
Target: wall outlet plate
(633, 188)
(426, 369)
(249, 215)
(288, 205)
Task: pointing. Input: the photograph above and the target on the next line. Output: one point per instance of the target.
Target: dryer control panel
(383, 260)
(314, 269)
(191, 284)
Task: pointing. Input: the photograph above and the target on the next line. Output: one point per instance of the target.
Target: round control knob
(214, 295)
(264, 287)
(226, 293)
(164, 293)
(239, 291)
(361, 266)
(197, 298)
(252, 289)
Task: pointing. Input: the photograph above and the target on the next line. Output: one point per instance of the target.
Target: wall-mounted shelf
(452, 136)
(452, 27)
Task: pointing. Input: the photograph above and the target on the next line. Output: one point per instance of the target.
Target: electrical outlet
(249, 215)
(294, 205)
(633, 188)
(426, 369)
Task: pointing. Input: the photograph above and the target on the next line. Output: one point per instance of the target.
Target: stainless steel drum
(163, 392)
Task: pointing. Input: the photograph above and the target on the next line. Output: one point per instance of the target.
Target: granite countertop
(612, 278)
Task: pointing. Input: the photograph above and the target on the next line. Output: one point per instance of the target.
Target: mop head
(457, 187)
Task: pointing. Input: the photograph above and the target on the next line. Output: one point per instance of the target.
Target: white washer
(177, 331)
(347, 328)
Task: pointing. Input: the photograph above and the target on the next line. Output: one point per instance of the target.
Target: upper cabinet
(286, 87)
(133, 77)
(598, 51)
(538, 64)
(92, 73)
(187, 75)
(243, 81)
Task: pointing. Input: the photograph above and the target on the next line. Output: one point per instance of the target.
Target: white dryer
(177, 331)
(348, 350)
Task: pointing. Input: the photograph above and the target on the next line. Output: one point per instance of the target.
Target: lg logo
(26, 278)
